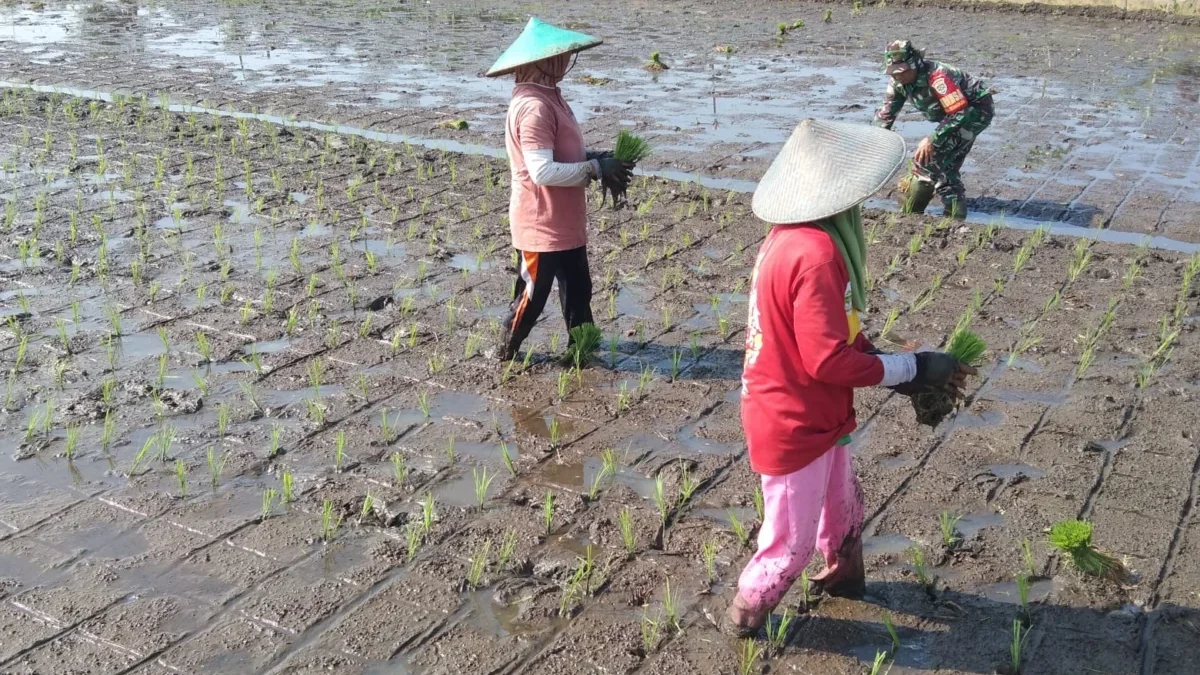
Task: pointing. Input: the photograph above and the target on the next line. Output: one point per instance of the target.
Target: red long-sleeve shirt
(805, 353)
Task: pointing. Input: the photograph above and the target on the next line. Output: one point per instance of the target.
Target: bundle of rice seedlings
(932, 405)
(630, 148)
(1074, 537)
(585, 340)
(656, 64)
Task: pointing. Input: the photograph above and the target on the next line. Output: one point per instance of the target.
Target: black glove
(614, 170)
(599, 154)
(935, 369)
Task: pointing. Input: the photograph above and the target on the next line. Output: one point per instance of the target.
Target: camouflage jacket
(942, 93)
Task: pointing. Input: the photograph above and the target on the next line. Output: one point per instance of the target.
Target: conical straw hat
(826, 168)
(540, 41)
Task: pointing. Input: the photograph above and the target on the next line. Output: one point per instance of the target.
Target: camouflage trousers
(945, 165)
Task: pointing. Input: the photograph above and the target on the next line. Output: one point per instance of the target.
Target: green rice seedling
(805, 590)
(749, 655)
(276, 440)
(738, 528)
(247, 311)
(605, 471)
(73, 433)
(676, 357)
(140, 458)
(1074, 537)
(660, 499)
(59, 373)
(114, 320)
(628, 533)
(880, 657)
(507, 548)
(203, 347)
(508, 460)
(1027, 556)
(399, 468)
(916, 556)
(252, 395)
(629, 147)
(482, 482)
(687, 484)
(450, 449)
(1080, 257)
(708, 551)
(967, 347)
(108, 390)
(329, 522)
(339, 451)
(389, 433)
(166, 438)
(651, 629)
(891, 629)
(759, 503)
(423, 402)
(368, 507)
(478, 564)
(548, 511)
(106, 436)
(1014, 650)
(671, 608)
(287, 493)
(222, 419)
(777, 631)
(428, 512)
(413, 536)
(1023, 594)
(61, 327)
(948, 525)
(181, 477)
(564, 380)
(555, 433)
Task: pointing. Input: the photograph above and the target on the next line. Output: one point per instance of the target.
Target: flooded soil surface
(251, 422)
(1095, 123)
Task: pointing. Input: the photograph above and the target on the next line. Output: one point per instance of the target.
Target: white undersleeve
(898, 368)
(544, 171)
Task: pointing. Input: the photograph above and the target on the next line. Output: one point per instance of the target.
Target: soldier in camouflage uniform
(959, 103)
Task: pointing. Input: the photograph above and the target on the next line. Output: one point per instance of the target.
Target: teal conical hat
(540, 41)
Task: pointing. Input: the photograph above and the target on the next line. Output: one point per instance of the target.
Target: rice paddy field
(253, 260)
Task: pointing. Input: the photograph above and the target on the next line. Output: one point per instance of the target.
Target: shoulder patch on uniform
(950, 96)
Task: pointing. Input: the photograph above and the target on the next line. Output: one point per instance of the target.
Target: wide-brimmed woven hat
(824, 169)
(540, 41)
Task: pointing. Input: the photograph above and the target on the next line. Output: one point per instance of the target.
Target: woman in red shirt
(805, 355)
(551, 170)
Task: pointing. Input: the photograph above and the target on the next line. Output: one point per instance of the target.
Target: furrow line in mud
(1178, 192)
(870, 522)
(1146, 645)
(65, 630)
(1138, 184)
(1089, 501)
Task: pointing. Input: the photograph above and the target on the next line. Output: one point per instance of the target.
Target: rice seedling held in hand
(1074, 537)
(933, 405)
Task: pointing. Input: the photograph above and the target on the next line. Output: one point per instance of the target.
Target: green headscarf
(846, 231)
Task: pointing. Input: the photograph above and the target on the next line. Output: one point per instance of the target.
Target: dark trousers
(535, 275)
(944, 168)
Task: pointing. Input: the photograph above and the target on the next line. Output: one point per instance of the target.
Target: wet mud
(250, 423)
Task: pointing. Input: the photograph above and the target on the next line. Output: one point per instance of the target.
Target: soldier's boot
(955, 206)
(917, 195)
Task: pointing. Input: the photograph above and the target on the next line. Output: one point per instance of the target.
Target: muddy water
(1097, 144)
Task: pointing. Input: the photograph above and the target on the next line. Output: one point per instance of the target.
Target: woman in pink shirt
(551, 170)
(805, 356)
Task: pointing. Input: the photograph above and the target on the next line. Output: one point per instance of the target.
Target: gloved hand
(599, 154)
(614, 178)
(936, 370)
(612, 169)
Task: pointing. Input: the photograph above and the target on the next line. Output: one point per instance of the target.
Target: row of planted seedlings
(1025, 407)
(163, 440)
